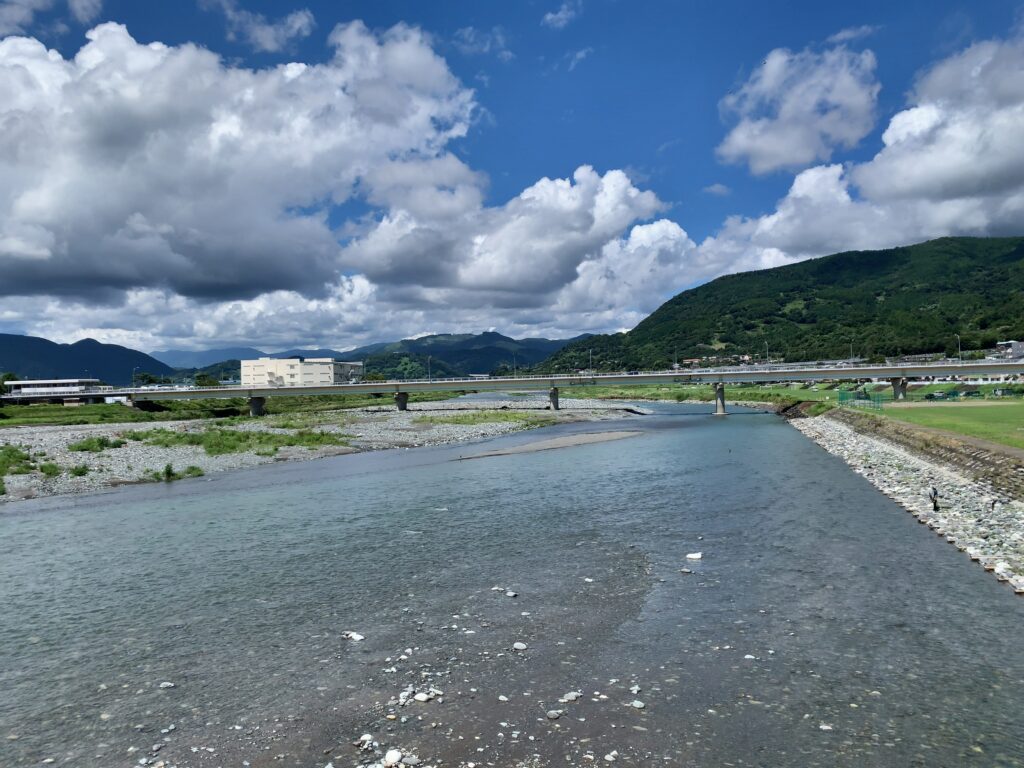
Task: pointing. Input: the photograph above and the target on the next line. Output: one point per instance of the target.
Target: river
(822, 625)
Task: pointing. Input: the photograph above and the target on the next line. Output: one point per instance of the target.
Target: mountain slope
(187, 358)
(899, 300)
(31, 357)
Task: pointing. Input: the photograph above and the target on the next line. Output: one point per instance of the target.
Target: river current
(202, 622)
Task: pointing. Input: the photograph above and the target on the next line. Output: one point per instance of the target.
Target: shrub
(80, 471)
(49, 469)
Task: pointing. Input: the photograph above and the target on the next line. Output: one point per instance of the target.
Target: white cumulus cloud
(561, 18)
(256, 30)
(797, 108)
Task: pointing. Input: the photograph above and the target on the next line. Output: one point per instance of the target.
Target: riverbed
(542, 603)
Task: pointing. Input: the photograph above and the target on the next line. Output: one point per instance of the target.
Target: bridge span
(896, 374)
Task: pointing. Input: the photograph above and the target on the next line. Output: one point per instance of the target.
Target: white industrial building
(299, 372)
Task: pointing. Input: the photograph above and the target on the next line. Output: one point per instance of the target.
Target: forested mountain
(900, 300)
(442, 355)
(31, 357)
(467, 352)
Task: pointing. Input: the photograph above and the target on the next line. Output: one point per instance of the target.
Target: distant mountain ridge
(453, 354)
(913, 299)
(32, 357)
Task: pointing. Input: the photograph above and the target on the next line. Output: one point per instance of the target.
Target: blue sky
(734, 125)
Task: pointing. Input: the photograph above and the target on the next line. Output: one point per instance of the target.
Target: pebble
(393, 757)
(695, 556)
(637, 704)
(519, 646)
(355, 637)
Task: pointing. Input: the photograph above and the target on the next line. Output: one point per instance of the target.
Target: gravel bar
(375, 428)
(972, 516)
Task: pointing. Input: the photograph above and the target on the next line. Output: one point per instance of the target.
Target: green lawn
(1002, 423)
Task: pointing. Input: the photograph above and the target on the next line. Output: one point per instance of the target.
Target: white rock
(572, 696)
(393, 757)
(824, 727)
(695, 556)
(519, 646)
(510, 593)
(637, 704)
(353, 636)
(166, 684)
(554, 714)
(422, 696)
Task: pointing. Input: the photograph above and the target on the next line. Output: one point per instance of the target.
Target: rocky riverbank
(979, 519)
(356, 430)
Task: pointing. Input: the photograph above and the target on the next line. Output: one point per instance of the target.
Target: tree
(8, 377)
(206, 380)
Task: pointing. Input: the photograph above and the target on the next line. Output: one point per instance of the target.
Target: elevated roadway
(897, 374)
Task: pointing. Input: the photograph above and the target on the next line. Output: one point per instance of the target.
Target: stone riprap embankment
(365, 429)
(978, 519)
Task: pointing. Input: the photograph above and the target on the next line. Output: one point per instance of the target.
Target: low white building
(1011, 350)
(299, 372)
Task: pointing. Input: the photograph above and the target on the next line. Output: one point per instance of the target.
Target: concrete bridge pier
(899, 389)
(720, 399)
(553, 397)
(402, 400)
(257, 406)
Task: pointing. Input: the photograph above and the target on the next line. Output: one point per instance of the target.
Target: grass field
(1000, 423)
(45, 414)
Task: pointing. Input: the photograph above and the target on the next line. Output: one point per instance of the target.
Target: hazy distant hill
(468, 352)
(450, 355)
(31, 357)
(910, 300)
(185, 358)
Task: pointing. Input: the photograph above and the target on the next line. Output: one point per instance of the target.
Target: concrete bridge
(898, 375)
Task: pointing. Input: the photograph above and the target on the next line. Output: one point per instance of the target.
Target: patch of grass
(524, 418)
(14, 461)
(217, 441)
(81, 470)
(170, 474)
(95, 444)
(1002, 423)
(49, 469)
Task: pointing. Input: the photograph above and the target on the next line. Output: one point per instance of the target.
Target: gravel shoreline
(376, 428)
(974, 517)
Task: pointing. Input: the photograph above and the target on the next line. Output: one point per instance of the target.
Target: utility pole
(767, 358)
(959, 351)
(429, 377)
(591, 360)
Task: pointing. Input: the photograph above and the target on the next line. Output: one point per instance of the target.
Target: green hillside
(909, 300)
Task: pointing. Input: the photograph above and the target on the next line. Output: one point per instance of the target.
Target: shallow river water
(822, 626)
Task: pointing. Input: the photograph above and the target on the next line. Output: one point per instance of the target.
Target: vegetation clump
(169, 474)
(49, 469)
(80, 470)
(96, 444)
(217, 441)
(488, 417)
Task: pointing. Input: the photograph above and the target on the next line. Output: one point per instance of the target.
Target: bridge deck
(732, 375)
